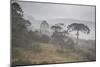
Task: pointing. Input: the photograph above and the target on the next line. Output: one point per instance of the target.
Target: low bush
(36, 47)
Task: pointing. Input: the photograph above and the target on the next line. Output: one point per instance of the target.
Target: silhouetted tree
(78, 27)
(19, 26)
(44, 27)
(56, 28)
(44, 30)
(57, 35)
(16, 10)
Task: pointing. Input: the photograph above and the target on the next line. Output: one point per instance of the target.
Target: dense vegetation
(35, 47)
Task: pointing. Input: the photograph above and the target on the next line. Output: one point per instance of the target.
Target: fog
(60, 13)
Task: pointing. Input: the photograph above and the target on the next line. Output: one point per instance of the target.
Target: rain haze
(56, 13)
(50, 33)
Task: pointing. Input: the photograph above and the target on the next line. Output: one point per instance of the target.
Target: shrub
(44, 38)
(36, 47)
(69, 43)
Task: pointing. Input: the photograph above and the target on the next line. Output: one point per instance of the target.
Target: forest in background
(37, 47)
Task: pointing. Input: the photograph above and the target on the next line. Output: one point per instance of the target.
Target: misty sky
(47, 11)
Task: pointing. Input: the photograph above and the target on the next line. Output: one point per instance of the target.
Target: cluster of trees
(22, 37)
(20, 34)
(61, 35)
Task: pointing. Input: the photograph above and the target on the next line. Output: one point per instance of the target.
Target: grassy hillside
(43, 53)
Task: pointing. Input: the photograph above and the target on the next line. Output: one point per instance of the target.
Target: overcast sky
(48, 11)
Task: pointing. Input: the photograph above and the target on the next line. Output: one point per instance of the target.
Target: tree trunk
(77, 34)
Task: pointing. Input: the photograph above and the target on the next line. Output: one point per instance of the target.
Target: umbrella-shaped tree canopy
(78, 27)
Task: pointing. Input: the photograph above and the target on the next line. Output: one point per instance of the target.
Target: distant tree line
(22, 37)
